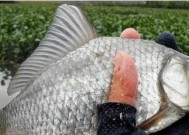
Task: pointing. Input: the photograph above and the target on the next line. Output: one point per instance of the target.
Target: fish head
(174, 79)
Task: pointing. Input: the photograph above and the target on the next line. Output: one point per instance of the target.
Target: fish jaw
(164, 118)
(174, 92)
(174, 79)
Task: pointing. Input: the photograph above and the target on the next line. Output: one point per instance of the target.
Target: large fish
(70, 72)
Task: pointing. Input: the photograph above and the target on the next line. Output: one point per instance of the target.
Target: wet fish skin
(62, 99)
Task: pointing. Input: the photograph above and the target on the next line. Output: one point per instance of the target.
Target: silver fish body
(62, 99)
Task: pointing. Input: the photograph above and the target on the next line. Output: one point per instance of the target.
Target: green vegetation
(168, 4)
(22, 26)
(21, 29)
(150, 22)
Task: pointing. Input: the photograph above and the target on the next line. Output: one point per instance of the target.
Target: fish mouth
(150, 122)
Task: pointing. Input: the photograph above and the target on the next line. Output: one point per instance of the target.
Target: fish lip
(150, 122)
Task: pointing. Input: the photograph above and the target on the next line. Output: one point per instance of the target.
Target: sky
(4, 98)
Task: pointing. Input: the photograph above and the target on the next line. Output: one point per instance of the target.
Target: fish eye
(175, 82)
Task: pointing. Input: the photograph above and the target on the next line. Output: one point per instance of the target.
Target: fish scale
(59, 95)
(73, 94)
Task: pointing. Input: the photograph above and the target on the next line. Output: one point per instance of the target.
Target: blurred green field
(22, 26)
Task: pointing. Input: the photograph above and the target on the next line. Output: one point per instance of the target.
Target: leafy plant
(23, 26)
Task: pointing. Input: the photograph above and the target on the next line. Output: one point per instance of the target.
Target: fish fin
(68, 31)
